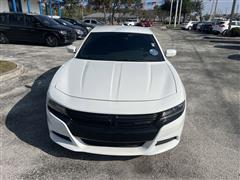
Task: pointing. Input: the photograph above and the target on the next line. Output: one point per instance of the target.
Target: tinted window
(3, 18)
(120, 47)
(87, 21)
(94, 22)
(46, 21)
(65, 23)
(30, 21)
(16, 19)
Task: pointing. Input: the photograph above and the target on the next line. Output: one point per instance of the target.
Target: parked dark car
(88, 27)
(80, 31)
(33, 28)
(207, 27)
(194, 27)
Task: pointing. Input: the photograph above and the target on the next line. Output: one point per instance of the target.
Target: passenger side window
(30, 21)
(94, 22)
(16, 19)
(3, 18)
(87, 21)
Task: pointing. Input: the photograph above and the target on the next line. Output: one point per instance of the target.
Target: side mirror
(171, 52)
(72, 49)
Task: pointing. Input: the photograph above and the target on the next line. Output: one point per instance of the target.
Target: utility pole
(232, 13)
(176, 13)
(180, 12)
(170, 17)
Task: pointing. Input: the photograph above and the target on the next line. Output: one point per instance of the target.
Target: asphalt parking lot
(210, 147)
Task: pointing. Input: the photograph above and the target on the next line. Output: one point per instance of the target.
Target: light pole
(211, 11)
(232, 13)
(180, 12)
(170, 17)
(176, 13)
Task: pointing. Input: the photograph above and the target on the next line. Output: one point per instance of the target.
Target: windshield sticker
(153, 52)
(153, 44)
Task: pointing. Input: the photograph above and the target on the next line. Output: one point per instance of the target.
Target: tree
(114, 6)
(198, 7)
(188, 7)
(71, 7)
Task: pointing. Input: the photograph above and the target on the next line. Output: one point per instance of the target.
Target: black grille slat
(103, 120)
(111, 130)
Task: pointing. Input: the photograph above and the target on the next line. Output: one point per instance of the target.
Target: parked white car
(131, 22)
(188, 25)
(121, 98)
(222, 26)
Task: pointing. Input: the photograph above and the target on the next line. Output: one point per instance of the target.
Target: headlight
(58, 111)
(79, 32)
(63, 32)
(172, 114)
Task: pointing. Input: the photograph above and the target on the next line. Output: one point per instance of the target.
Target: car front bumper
(167, 138)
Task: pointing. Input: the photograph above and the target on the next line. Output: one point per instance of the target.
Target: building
(149, 4)
(47, 7)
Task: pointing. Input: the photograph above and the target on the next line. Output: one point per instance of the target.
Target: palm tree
(215, 8)
(170, 17)
(211, 11)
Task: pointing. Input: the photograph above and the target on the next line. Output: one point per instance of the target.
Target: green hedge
(235, 32)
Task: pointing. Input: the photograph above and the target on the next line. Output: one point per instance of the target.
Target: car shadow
(27, 120)
(227, 42)
(232, 47)
(207, 37)
(234, 57)
(34, 44)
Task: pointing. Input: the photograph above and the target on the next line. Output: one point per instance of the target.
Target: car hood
(116, 81)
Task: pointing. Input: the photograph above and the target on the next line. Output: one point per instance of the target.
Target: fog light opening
(166, 140)
(62, 136)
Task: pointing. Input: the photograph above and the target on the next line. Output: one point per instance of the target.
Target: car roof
(123, 29)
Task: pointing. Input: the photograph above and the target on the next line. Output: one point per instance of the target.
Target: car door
(33, 29)
(4, 25)
(17, 27)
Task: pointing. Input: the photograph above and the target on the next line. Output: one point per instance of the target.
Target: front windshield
(114, 46)
(47, 21)
(64, 22)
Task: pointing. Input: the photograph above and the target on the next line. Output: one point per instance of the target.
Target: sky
(224, 6)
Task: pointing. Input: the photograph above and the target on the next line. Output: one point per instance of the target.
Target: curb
(13, 73)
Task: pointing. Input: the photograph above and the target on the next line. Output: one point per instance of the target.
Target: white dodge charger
(119, 95)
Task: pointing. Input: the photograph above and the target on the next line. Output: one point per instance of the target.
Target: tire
(3, 39)
(51, 41)
(225, 33)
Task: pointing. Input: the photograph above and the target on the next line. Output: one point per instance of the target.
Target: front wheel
(3, 39)
(190, 28)
(51, 41)
(225, 33)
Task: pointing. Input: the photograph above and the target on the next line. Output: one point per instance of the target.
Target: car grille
(108, 129)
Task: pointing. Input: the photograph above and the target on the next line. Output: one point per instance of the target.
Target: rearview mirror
(171, 52)
(72, 49)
